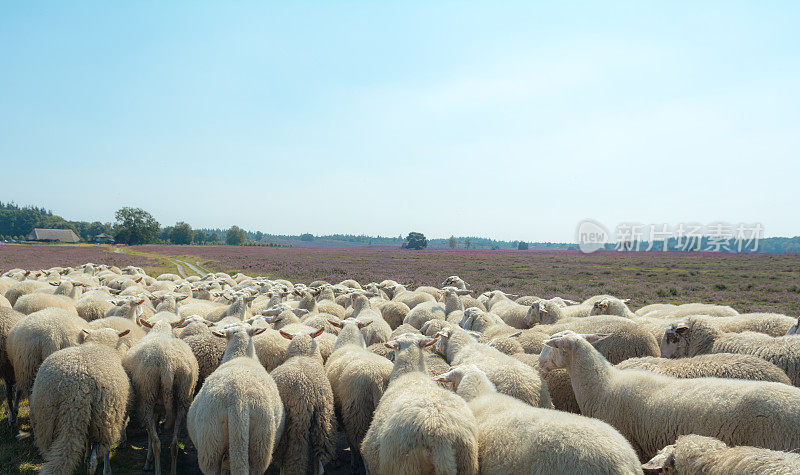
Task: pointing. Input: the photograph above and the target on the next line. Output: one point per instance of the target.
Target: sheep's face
(536, 314)
(663, 462)
(601, 307)
(675, 342)
(795, 330)
(558, 350)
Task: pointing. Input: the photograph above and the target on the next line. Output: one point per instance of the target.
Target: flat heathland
(748, 282)
(44, 256)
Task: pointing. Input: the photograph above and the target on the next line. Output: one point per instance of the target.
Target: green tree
(415, 241)
(467, 243)
(307, 237)
(452, 242)
(181, 233)
(200, 237)
(235, 236)
(135, 226)
(522, 246)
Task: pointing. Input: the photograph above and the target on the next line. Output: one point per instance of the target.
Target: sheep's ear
(428, 341)
(123, 333)
(286, 335)
(178, 323)
(463, 292)
(182, 297)
(138, 280)
(625, 300)
(336, 324)
(681, 328)
(392, 345)
(218, 334)
(145, 323)
(595, 337)
(448, 376)
(85, 331)
(54, 284)
(299, 311)
(515, 334)
(555, 343)
(664, 460)
(362, 325)
(256, 331)
(139, 302)
(317, 333)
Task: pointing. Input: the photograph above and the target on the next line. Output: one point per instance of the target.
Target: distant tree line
(137, 226)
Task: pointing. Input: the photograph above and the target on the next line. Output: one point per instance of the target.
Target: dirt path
(194, 268)
(180, 267)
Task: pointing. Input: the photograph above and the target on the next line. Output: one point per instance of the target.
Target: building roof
(103, 236)
(61, 235)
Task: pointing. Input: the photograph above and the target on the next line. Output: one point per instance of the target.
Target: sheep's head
(795, 330)
(456, 374)
(663, 462)
(558, 350)
(432, 327)
(302, 344)
(675, 342)
(229, 331)
(104, 336)
(409, 340)
(468, 319)
(539, 314)
(610, 306)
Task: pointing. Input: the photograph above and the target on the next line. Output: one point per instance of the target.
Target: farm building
(103, 238)
(53, 235)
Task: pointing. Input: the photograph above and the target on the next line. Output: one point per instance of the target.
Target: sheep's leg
(154, 446)
(318, 468)
(106, 461)
(12, 416)
(355, 460)
(123, 435)
(91, 465)
(173, 446)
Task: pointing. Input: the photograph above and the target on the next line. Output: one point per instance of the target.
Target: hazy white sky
(512, 120)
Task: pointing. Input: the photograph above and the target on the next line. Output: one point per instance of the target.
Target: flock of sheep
(430, 380)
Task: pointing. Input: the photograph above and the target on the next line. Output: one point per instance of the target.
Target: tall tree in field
(522, 246)
(235, 236)
(181, 233)
(467, 243)
(200, 237)
(452, 242)
(415, 241)
(135, 226)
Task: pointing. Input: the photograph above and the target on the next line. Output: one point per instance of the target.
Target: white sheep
(80, 400)
(652, 410)
(418, 427)
(309, 436)
(698, 454)
(238, 413)
(694, 336)
(511, 376)
(9, 318)
(36, 337)
(716, 365)
(164, 373)
(358, 379)
(514, 437)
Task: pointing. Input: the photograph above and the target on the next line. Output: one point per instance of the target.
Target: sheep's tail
(66, 450)
(239, 439)
(323, 435)
(443, 458)
(167, 380)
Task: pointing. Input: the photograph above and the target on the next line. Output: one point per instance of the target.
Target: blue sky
(512, 120)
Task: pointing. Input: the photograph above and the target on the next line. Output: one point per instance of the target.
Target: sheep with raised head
(652, 410)
(514, 437)
(238, 413)
(419, 427)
